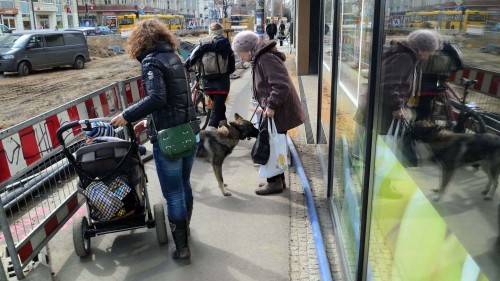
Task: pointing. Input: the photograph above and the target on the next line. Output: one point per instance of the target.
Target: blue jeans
(174, 176)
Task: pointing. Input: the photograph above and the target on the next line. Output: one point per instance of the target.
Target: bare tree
(224, 4)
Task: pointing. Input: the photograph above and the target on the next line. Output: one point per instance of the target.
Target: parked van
(23, 52)
(87, 31)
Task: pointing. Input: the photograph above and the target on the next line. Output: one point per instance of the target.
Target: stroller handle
(88, 126)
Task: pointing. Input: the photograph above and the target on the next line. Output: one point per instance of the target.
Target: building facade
(51, 14)
(39, 14)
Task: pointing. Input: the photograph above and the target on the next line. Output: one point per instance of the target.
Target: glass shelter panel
(353, 63)
(326, 82)
(434, 211)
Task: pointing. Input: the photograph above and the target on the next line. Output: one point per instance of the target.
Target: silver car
(26, 51)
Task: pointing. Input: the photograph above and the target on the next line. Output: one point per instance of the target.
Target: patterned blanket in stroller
(111, 177)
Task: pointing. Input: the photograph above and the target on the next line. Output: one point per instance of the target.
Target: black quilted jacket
(167, 93)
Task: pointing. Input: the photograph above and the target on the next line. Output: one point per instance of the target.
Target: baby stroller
(112, 178)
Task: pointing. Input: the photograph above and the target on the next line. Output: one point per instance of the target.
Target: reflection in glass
(450, 103)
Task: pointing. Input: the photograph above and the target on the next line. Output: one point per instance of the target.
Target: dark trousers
(271, 36)
(218, 109)
(424, 109)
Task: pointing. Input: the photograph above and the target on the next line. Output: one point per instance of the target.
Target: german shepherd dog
(216, 145)
(452, 150)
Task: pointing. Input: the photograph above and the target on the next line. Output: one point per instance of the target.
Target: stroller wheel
(161, 226)
(81, 241)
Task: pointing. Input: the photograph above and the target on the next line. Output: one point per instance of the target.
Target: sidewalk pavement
(242, 237)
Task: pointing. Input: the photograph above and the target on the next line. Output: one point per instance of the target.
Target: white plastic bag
(394, 134)
(398, 139)
(277, 162)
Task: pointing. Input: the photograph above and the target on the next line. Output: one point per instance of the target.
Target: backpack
(212, 65)
(438, 68)
(448, 59)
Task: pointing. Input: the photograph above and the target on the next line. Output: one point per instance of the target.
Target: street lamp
(33, 12)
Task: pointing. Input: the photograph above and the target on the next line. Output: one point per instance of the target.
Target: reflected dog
(216, 145)
(452, 150)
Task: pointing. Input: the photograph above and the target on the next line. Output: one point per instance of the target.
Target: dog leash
(255, 111)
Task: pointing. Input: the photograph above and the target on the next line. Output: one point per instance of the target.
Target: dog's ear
(237, 116)
(233, 124)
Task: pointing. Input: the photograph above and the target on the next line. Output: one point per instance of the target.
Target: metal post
(11, 247)
(260, 15)
(3, 275)
(34, 17)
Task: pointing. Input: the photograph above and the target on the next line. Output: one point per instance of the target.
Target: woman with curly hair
(166, 104)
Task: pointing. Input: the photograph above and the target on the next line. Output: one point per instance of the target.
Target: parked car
(104, 30)
(87, 31)
(23, 52)
(4, 30)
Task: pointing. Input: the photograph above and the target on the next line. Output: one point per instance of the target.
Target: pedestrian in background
(273, 89)
(282, 29)
(217, 85)
(271, 30)
(166, 104)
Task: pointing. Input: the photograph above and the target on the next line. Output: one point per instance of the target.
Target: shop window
(43, 22)
(59, 23)
(349, 156)
(27, 25)
(417, 233)
(10, 22)
(70, 21)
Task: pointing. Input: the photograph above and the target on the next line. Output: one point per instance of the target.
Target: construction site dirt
(25, 97)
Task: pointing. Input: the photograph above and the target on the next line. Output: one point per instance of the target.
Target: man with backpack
(214, 59)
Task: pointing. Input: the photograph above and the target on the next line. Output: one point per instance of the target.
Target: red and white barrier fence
(28, 152)
(487, 82)
(22, 148)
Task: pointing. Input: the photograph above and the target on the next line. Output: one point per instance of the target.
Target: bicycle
(284, 37)
(199, 96)
(453, 111)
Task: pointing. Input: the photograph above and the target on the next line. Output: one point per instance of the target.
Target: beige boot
(271, 188)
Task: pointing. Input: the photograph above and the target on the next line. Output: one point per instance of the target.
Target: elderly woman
(273, 89)
(401, 81)
(167, 104)
(401, 70)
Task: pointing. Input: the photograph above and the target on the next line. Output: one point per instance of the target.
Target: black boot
(189, 214)
(179, 233)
